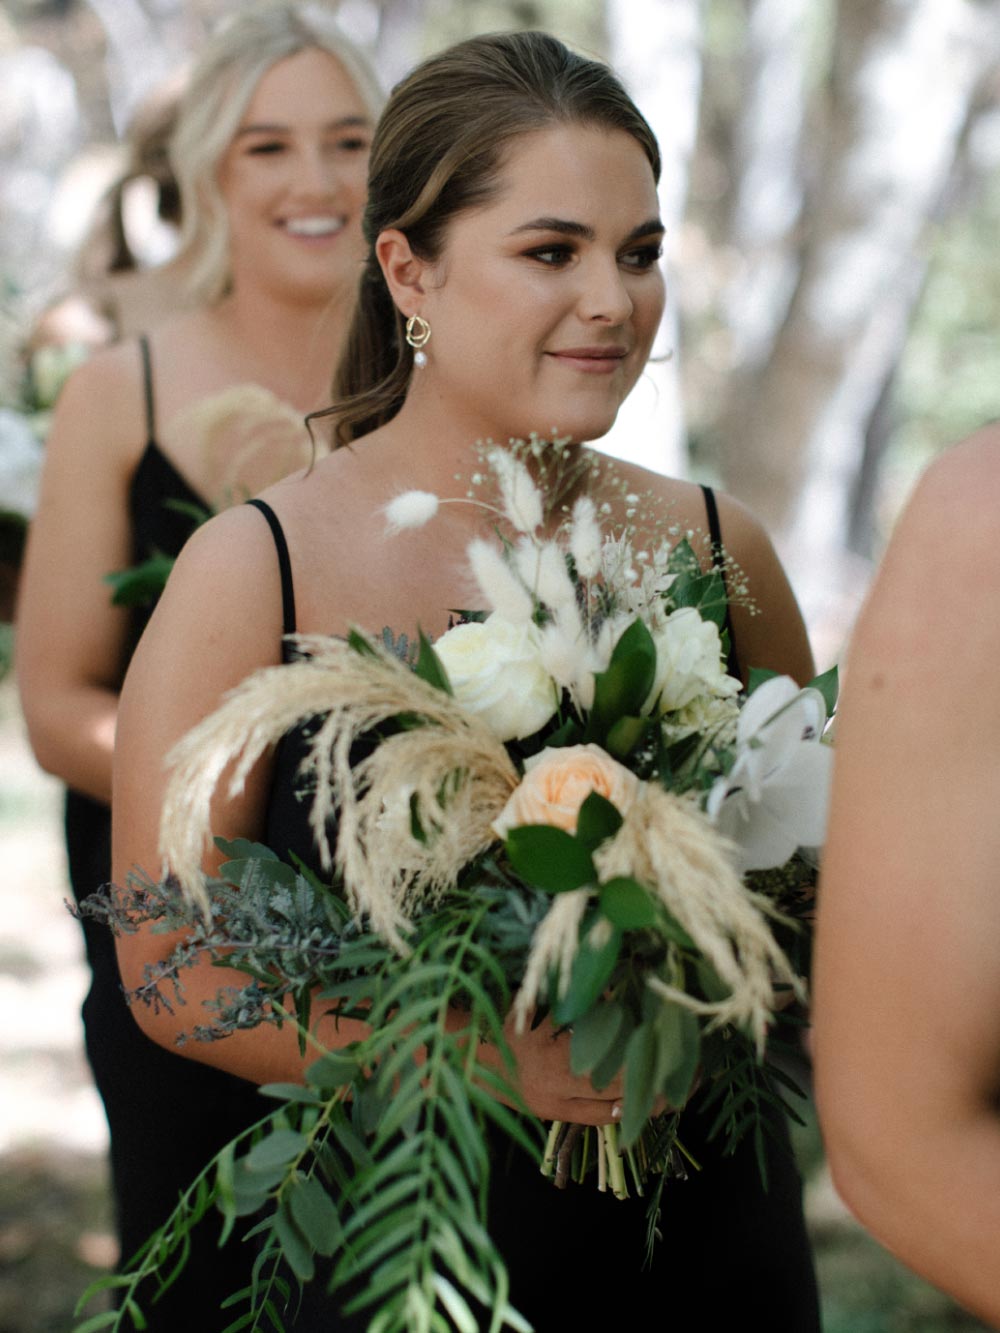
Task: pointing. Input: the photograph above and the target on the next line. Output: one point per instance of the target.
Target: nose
(604, 295)
(316, 173)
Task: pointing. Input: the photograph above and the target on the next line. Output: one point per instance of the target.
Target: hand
(545, 1081)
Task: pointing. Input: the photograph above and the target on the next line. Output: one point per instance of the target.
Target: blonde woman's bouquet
(565, 807)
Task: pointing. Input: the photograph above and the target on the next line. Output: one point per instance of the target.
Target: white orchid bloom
(775, 798)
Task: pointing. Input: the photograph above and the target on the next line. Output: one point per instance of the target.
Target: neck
(441, 449)
(291, 348)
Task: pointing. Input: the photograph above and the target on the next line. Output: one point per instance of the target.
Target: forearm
(72, 732)
(931, 1197)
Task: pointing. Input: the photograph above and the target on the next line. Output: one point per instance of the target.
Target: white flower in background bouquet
(565, 805)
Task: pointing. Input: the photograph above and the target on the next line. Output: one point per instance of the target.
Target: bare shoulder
(940, 576)
(951, 515)
(103, 398)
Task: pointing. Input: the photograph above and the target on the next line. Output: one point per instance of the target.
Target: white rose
(496, 671)
(688, 662)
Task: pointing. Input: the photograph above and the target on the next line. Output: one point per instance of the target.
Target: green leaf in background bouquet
(828, 685)
(624, 687)
(257, 870)
(597, 820)
(627, 903)
(703, 589)
(641, 1084)
(757, 676)
(143, 583)
(596, 956)
(550, 858)
(595, 1036)
(430, 668)
(628, 732)
(681, 1037)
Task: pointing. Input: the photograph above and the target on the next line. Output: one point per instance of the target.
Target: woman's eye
(265, 148)
(552, 256)
(356, 144)
(643, 257)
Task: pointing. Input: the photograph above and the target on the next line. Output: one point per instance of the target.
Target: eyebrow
(565, 227)
(266, 128)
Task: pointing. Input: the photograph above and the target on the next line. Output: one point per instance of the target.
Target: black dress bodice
(733, 1254)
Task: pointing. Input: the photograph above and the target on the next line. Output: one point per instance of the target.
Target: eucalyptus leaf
(550, 858)
(594, 1034)
(593, 965)
(315, 1215)
(266, 872)
(640, 1086)
(279, 1148)
(679, 1052)
(294, 1245)
(331, 1071)
(291, 1092)
(242, 849)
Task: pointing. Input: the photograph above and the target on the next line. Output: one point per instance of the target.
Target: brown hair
(437, 152)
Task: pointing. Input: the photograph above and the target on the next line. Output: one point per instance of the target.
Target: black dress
(167, 1115)
(732, 1255)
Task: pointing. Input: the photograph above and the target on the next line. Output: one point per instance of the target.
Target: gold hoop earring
(418, 334)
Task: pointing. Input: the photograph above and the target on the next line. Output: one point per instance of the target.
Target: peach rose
(557, 782)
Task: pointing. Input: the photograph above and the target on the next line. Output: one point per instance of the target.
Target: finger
(589, 1111)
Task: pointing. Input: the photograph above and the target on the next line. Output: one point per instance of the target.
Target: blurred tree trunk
(657, 50)
(904, 77)
(768, 186)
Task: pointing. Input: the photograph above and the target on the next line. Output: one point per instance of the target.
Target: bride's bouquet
(564, 808)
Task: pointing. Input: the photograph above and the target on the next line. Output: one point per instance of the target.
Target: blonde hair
(221, 85)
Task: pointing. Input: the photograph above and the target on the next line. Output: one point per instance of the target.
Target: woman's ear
(402, 270)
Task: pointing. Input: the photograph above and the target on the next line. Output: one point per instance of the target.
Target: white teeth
(314, 226)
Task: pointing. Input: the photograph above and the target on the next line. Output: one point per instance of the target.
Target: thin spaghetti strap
(147, 387)
(718, 562)
(284, 566)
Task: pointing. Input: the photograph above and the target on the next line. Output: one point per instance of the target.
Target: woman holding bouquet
(512, 285)
(907, 982)
(271, 151)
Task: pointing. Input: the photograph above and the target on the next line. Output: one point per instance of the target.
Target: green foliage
(623, 688)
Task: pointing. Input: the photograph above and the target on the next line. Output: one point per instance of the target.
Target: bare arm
(907, 978)
(218, 621)
(70, 638)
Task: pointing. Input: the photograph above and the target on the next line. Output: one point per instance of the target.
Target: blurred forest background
(832, 197)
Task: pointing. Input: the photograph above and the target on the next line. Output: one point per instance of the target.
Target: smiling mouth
(591, 359)
(314, 226)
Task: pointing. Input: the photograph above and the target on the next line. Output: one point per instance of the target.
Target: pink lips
(592, 360)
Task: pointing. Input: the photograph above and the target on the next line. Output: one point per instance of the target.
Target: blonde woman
(270, 152)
